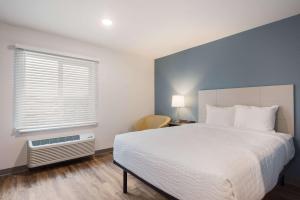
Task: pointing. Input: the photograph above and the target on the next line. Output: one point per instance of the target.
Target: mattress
(200, 161)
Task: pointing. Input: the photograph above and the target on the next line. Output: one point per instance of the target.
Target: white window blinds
(53, 91)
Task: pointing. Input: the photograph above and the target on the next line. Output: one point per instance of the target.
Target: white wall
(125, 89)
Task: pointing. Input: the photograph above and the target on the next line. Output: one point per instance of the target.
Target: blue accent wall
(267, 55)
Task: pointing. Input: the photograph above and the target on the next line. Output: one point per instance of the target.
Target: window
(53, 91)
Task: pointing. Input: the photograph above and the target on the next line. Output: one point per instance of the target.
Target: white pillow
(223, 116)
(257, 118)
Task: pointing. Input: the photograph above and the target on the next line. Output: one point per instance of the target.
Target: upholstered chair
(151, 122)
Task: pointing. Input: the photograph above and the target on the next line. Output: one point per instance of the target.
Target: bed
(201, 161)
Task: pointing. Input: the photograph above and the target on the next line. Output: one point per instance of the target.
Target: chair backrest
(157, 121)
(151, 122)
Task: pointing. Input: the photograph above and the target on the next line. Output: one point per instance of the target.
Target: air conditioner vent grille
(55, 140)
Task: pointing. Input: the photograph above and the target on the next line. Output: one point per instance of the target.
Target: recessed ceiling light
(106, 22)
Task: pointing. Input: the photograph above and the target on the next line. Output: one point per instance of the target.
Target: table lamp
(177, 102)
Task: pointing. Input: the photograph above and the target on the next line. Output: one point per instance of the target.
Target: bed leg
(281, 181)
(124, 182)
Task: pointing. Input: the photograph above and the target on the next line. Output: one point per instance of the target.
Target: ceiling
(152, 28)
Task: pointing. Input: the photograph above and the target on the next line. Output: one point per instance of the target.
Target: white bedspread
(202, 162)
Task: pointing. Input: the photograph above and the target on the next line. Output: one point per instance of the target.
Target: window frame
(61, 55)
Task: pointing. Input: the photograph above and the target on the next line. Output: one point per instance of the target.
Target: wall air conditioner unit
(52, 150)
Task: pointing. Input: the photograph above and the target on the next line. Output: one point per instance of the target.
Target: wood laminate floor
(91, 179)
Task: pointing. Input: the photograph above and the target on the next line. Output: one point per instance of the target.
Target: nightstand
(181, 122)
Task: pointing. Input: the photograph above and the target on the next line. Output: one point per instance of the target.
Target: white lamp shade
(177, 101)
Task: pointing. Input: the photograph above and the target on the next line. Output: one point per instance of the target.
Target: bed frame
(168, 196)
(125, 171)
(282, 95)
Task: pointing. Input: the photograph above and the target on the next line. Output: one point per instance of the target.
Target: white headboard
(282, 95)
